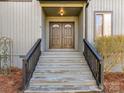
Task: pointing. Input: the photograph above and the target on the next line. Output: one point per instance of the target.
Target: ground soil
(114, 82)
(11, 83)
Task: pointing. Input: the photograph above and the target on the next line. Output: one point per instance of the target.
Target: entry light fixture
(61, 12)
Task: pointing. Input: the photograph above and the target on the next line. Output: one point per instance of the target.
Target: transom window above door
(103, 24)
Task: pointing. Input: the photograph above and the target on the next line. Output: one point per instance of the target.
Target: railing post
(24, 72)
(102, 74)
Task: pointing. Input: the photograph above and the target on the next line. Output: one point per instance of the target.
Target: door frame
(62, 19)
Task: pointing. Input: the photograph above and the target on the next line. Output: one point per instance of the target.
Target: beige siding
(21, 21)
(117, 6)
(43, 19)
(122, 11)
(80, 34)
(17, 0)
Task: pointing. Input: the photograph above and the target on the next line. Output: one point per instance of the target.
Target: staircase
(62, 72)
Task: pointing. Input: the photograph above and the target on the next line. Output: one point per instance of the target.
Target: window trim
(102, 12)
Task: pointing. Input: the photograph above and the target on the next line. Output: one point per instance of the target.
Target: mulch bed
(11, 83)
(114, 82)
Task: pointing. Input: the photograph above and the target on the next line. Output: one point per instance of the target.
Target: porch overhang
(63, 3)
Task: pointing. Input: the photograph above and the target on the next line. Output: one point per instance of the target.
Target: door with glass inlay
(61, 35)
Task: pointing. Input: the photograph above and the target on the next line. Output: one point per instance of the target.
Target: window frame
(102, 13)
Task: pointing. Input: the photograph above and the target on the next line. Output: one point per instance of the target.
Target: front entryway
(61, 35)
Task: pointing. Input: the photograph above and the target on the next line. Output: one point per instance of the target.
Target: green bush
(112, 50)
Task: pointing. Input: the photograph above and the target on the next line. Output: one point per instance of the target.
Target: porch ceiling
(63, 0)
(68, 11)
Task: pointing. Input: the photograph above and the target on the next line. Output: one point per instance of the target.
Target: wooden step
(83, 83)
(60, 64)
(62, 53)
(61, 56)
(62, 69)
(62, 80)
(62, 73)
(63, 60)
(62, 89)
(84, 76)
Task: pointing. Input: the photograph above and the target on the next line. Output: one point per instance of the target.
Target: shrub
(112, 50)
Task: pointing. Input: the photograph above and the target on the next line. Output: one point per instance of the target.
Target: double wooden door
(61, 35)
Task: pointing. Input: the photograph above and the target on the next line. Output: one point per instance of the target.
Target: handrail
(30, 62)
(95, 62)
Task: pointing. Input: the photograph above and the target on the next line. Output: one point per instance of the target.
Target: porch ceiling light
(61, 12)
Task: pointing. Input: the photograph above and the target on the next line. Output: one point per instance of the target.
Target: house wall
(18, 0)
(43, 32)
(117, 6)
(20, 21)
(80, 34)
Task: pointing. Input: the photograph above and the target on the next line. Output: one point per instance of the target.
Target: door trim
(62, 19)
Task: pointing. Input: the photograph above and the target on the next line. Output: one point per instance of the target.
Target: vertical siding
(43, 26)
(21, 22)
(80, 33)
(122, 11)
(116, 6)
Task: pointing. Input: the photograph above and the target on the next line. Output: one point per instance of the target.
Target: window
(103, 24)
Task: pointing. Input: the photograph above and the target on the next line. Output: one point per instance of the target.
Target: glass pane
(107, 24)
(55, 25)
(99, 25)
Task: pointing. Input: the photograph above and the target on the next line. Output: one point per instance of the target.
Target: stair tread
(62, 74)
(70, 83)
(62, 65)
(64, 77)
(63, 88)
(36, 74)
(62, 69)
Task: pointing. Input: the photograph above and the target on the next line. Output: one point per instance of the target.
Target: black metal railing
(95, 62)
(30, 62)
